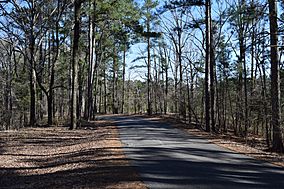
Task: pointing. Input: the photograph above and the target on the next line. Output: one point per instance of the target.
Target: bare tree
(277, 143)
(74, 61)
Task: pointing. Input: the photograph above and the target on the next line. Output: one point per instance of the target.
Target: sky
(135, 52)
(136, 49)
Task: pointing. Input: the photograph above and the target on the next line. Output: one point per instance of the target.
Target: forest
(214, 64)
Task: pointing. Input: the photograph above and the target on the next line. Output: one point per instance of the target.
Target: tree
(149, 18)
(175, 29)
(277, 144)
(91, 59)
(31, 20)
(208, 67)
(74, 62)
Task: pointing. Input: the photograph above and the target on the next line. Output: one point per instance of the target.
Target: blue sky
(135, 49)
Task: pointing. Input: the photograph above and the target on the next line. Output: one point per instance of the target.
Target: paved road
(166, 157)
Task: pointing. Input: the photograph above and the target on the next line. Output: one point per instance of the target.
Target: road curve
(167, 157)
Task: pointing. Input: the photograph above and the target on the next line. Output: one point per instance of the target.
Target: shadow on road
(168, 158)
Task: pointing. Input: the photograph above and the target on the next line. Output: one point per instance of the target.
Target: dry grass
(55, 157)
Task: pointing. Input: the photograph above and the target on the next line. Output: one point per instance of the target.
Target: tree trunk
(155, 83)
(188, 100)
(182, 110)
(123, 79)
(49, 109)
(277, 143)
(50, 96)
(91, 66)
(245, 87)
(8, 103)
(264, 93)
(95, 106)
(32, 91)
(80, 91)
(100, 99)
(75, 59)
(105, 92)
(212, 76)
(167, 82)
(32, 75)
(114, 84)
(149, 100)
(207, 65)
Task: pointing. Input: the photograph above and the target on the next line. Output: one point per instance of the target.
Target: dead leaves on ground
(55, 157)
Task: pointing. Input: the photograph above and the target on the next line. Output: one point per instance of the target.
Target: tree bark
(149, 86)
(212, 74)
(32, 82)
(182, 110)
(277, 143)
(123, 79)
(207, 65)
(114, 84)
(167, 81)
(32, 71)
(91, 67)
(105, 91)
(75, 57)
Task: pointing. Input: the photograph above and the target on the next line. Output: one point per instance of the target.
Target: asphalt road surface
(166, 157)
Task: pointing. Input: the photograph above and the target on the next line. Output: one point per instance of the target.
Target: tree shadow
(198, 168)
(88, 176)
(82, 163)
(167, 157)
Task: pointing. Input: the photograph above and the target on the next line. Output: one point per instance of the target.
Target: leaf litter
(55, 157)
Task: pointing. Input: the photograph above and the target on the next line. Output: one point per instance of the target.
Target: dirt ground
(55, 157)
(254, 146)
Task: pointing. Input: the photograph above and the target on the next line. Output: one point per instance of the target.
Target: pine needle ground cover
(56, 157)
